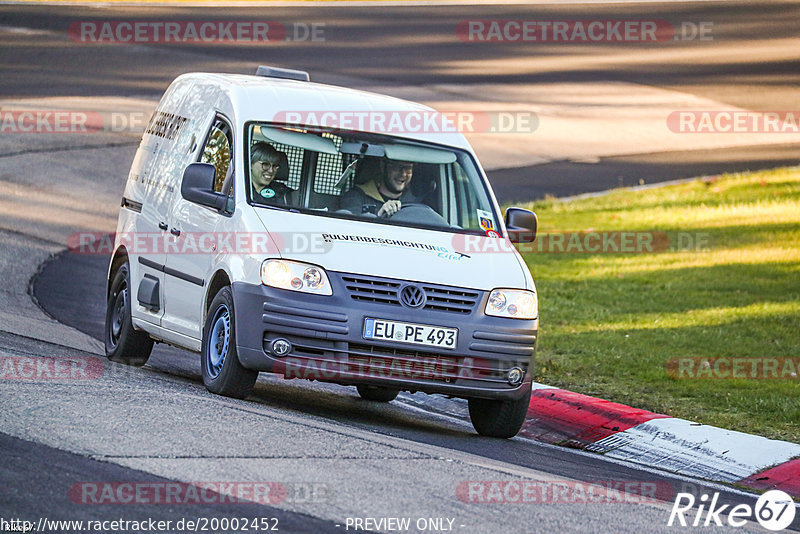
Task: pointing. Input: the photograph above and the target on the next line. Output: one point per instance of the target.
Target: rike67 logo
(774, 510)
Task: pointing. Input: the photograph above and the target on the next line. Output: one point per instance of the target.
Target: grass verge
(725, 285)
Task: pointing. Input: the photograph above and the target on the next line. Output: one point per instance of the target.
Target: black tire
(498, 418)
(377, 393)
(223, 374)
(123, 343)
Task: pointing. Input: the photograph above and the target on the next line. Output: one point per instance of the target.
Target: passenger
(384, 194)
(267, 164)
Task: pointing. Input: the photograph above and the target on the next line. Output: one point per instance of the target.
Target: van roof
(272, 99)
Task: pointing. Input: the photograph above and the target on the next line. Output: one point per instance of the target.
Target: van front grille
(385, 291)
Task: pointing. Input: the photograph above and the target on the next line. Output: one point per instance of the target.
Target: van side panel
(189, 261)
(147, 237)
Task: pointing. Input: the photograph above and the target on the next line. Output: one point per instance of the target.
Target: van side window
(217, 151)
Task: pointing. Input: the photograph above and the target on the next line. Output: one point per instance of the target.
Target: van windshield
(369, 177)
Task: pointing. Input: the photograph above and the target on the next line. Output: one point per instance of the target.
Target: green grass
(610, 322)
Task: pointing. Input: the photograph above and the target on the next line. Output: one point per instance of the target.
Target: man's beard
(389, 185)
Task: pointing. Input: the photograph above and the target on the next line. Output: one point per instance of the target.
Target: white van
(274, 224)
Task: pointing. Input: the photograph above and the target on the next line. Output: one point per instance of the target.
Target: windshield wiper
(281, 208)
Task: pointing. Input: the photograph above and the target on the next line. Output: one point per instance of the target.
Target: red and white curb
(565, 418)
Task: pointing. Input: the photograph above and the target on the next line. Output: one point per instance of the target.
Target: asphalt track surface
(431, 420)
(40, 494)
(157, 424)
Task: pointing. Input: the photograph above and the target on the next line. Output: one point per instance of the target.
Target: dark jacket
(365, 198)
(283, 194)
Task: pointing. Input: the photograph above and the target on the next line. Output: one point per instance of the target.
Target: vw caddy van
(277, 225)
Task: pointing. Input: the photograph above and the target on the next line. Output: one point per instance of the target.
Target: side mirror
(198, 186)
(521, 225)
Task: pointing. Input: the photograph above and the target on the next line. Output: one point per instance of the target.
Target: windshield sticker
(486, 220)
(439, 250)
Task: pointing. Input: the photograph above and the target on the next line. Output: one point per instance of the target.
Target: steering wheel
(404, 206)
(418, 213)
(414, 205)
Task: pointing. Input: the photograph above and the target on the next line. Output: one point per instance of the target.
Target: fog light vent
(281, 347)
(515, 376)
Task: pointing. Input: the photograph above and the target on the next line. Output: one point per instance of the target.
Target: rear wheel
(123, 343)
(499, 418)
(222, 372)
(377, 393)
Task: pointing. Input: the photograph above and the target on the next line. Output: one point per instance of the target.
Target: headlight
(514, 303)
(295, 276)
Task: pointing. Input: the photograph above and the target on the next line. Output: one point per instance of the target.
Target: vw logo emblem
(412, 296)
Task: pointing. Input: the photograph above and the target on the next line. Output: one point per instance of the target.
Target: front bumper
(326, 333)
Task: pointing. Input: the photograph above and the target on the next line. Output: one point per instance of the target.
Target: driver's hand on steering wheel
(389, 208)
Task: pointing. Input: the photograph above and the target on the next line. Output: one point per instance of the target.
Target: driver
(384, 195)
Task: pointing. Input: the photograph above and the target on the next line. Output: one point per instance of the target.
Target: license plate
(418, 334)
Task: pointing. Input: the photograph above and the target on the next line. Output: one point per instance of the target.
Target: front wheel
(498, 418)
(222, 372)
(123, 343)
(377, 393)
